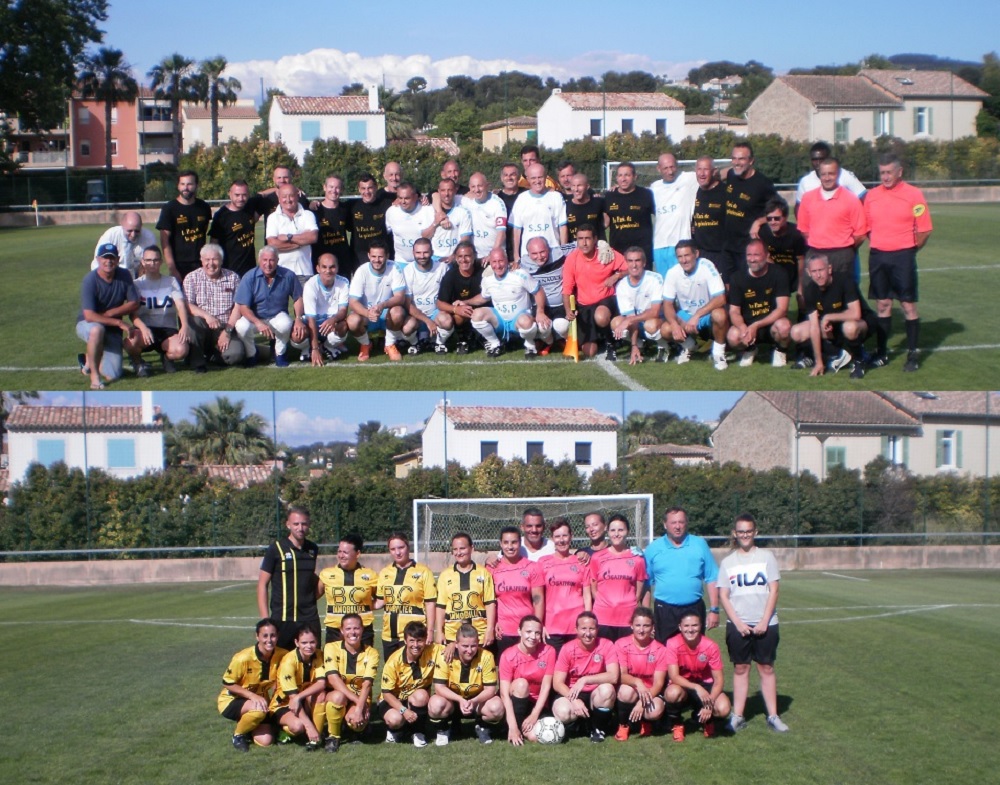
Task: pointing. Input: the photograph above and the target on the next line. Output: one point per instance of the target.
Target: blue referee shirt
(678, 571)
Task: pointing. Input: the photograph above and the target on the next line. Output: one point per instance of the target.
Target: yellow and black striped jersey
(467, 680)
(404, 592)
(249, 670)
(294, 675)
(349, 591)
(403, 678)
(353, 668)
(463, 596)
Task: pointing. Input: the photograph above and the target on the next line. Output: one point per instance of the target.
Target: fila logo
(760, 579)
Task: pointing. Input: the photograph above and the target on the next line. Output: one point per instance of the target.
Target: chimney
(372, 98)
(147, 407)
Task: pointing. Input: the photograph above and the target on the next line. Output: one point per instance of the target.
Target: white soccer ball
(549, 730)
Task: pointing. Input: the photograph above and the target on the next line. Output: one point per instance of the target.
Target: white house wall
(558, 123)
(23, 451)
(288, 129)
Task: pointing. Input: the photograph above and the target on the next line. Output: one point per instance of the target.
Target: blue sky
(315, 48)
(306, 417)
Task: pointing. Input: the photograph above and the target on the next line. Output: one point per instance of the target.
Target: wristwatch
(288, 237)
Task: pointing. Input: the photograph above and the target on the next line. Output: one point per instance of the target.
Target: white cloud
(326, 71)
(296, 428)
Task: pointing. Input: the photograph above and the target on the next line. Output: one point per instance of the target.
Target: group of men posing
(698, 254)
(536, 630)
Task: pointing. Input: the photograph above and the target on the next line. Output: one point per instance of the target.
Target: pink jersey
(515, 664)
(616, 574)
(641, 663)
(695, 664)
(513, 584)
(564, 582)
(575, 661)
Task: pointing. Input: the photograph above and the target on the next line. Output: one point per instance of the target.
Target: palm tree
(222, 433)
(107, 76)
(215, 90)
(171, 79)
(398, 113)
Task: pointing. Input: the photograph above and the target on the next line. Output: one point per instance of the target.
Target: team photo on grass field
(415, 337)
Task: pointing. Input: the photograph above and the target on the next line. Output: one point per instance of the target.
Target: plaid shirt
(212, 296)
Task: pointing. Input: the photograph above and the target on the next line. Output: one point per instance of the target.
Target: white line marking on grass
(846, 577)
(159, 623)
(620, 376)
(904, 612)
(227, 588)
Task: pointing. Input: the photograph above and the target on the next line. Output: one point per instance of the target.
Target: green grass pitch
(883, 677)
(41, 271)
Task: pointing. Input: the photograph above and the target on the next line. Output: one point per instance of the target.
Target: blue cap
(107, 249)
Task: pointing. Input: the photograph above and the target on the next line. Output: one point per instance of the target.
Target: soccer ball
(549, 730)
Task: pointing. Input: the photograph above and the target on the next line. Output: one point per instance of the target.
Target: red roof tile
(529, 418)
(521, 121)
(240, 476)
(841, 91)
(923, 84)
(71, 418)
(442, 143)
(840, 409)
(199, 112)
(946, 404)
(340, 104)
(673, 451)
(621, 101)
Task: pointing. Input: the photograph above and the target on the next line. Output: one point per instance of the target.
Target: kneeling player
(758, 307)
(247, 685)
(299, 704)
(468, 683)
(694, 303)
(526, 672)
(640, 305)
(376, 299)
(351, 667)
(643, 662)
(586, 675)
(324, 302)
(512, 292)
(694, 667)
(406, 685)
(423, 281)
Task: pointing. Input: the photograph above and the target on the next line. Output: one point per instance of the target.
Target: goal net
(436, 520)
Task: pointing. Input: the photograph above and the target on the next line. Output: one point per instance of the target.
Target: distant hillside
(922, 62)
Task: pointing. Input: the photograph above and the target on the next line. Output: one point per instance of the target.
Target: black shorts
(587, 329)
(557, 641)
(612, 633)
(382, 708)
(367, 635)
(692, 698)
(160, 335)
(742, 651)
(892, 275)
(505, 642)
(390, 647)
(524, 706)
(871, 325)
(234, 710)
(555, 311)
(841, 259)
(287, 630)
(667, 618)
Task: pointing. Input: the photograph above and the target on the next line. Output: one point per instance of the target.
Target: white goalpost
(436, 520)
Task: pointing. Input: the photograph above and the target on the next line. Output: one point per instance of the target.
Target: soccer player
(408, 593)
(539, 212)
(247, 686)
(747, 191)
(630, 209)
(406, 685)
(465, 595)
(350, 588)
(758, 308)
(748, 591)
(593, 282)
(617, 581)
(900, 226)
(161, 307)
(351, 667)
(584, 207)
(489, 216)
(839, 320)
(526, 672)
(643, 662)
(708, 221)
(511, 292)
(423, 283)
(183, 225)
(694, 303)
(520, 588)
(452, 223)
(460, 287)
(640, 306)
(586, 676)
(298, 703)
(540, 265)
(233, 229)
(596, 528)
(567, 587)
(263, 296)
(467, 682)
(324, 303)
(367, 219)
(785, 244)
(673, 195)
(332, 219)
(694, 667)
(289, 568)
(408, 220)
(377, 301)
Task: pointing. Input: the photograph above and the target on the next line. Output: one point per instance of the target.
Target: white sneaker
(720, 362)
(443, 737)
(779, 359)
(774, 722)
(736, 723)
(841, 361)
(684, 356)
(747, 358)
(390, 737)
(419, 740)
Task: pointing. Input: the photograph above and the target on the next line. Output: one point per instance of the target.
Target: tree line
(60, 508)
